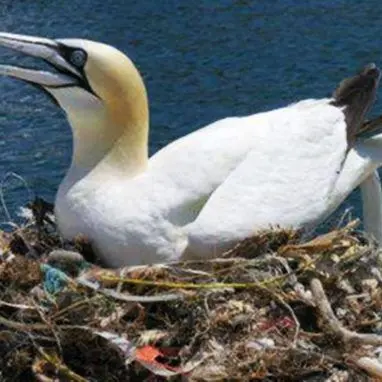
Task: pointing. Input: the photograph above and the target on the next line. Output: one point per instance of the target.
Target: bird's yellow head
(100, 90)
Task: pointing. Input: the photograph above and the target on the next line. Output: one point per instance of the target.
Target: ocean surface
(201, 60)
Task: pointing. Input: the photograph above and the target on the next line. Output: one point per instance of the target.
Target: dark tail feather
(357, 94)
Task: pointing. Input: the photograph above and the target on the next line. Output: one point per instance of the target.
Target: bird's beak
(48, 50)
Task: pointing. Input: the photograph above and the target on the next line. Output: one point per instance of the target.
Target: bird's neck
(110, 140)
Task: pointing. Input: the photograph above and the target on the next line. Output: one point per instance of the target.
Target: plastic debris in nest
(273, 308)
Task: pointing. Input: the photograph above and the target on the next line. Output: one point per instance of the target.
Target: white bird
(206, 191)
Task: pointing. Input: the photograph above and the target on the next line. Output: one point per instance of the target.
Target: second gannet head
(102, 93)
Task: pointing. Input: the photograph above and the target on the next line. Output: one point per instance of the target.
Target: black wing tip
(366, 80)
(356, 95)
(370, 70)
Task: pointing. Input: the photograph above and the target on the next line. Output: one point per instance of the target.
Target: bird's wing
(285, 181)
(240, 174)
(288, 180)
(187, 171)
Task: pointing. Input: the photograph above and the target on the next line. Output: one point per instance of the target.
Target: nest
(274, 308)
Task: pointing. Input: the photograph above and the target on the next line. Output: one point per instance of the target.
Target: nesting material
(274, 308)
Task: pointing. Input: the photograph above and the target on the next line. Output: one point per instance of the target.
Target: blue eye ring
(78, 58)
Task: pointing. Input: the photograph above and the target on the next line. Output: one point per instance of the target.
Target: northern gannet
(200, 194)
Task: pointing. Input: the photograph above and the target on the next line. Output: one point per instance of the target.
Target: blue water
(201, 60)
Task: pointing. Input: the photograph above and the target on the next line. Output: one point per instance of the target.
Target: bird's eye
(78, 58)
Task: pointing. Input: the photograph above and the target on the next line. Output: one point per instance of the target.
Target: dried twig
(371, 365)
(127, 297)
(17, 306)
(180, 285)
(38, 327)
(325, 309)
(52, 328)
(73, 306)
(19, 326)
(61, 367)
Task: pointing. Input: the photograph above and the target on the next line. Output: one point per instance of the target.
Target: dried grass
(274, 308)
